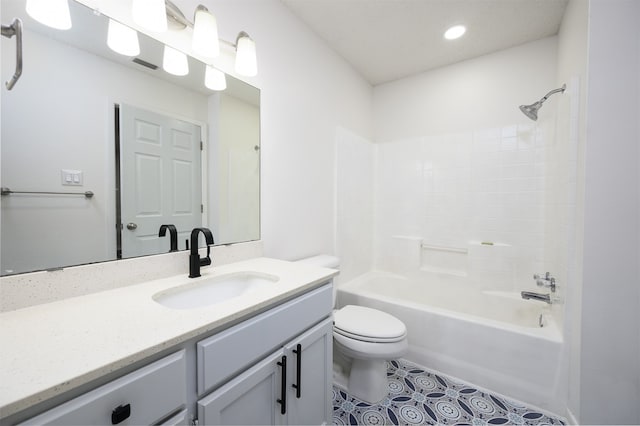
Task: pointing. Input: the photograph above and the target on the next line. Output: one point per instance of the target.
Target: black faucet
(194, 258)
(174, 235)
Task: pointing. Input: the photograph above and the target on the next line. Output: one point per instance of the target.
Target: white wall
(610, 344)
(563, 240)
(476, 94)
(354, 186)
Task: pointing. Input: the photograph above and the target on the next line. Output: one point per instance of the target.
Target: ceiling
(385, 40)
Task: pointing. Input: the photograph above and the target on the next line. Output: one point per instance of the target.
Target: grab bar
(7, 191)
(15, 29)
(442, 248)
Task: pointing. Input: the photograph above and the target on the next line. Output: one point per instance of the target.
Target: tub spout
(536, 296)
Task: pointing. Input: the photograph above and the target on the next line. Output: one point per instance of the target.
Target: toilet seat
(367, 350)
(368, 325)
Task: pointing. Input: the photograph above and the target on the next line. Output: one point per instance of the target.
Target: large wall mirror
(83, 118)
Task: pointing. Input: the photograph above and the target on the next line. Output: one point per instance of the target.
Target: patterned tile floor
(419, 397)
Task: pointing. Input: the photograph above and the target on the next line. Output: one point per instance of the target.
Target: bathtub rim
(550, 332)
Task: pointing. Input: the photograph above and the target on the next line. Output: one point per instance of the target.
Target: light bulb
(455, 32)
(175, 62)
(214, 79)
(205, 33)
(246, 63)
(150, 14)
(122, 39)
(52, 13)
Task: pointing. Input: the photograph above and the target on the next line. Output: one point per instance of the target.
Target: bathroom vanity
(120, 357)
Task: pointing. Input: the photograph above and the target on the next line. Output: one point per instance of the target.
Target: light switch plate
(71, 177)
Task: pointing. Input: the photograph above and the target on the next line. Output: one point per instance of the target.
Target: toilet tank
(324, 261)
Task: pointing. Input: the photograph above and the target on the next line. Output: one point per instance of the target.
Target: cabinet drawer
(151, 393)
(224, 355)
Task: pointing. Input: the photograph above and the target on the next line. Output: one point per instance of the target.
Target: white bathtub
(490, 339)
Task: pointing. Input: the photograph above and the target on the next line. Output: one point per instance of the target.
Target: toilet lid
(368, 324)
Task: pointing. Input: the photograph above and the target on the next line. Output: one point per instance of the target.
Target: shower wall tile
(509, 144)
(485, 185)
(398, 181)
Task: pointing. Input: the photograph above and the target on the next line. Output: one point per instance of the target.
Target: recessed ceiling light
(455, 32)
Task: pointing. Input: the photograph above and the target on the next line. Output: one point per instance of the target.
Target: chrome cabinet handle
(131, 226)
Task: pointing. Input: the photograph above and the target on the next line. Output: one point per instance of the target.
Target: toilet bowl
(366, 338)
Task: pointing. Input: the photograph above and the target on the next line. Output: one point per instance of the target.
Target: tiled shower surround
(458, 191)
(432, 201)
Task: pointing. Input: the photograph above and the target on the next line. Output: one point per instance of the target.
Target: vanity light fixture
(214, 79)
(175, 62)
(205, 28)
(52, 13)
(150, 14)
(160, 15)
(205, 33)
(205, 38)
(122, 39)
(246, 62)
(455, 32)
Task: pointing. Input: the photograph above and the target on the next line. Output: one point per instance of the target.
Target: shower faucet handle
(546, 281)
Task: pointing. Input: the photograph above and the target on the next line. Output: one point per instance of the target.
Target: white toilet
(365, 338)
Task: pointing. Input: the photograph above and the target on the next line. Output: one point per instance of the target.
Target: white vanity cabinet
(273, 368)
(145, 396)
(291, 381)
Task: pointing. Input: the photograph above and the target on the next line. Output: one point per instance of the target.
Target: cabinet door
(310, 376)
(249, 399)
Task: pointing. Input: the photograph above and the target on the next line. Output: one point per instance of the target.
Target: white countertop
(51, 348)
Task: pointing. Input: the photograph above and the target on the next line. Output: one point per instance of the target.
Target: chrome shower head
(531, 111)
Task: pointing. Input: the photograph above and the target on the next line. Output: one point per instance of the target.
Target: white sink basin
(210, 291)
